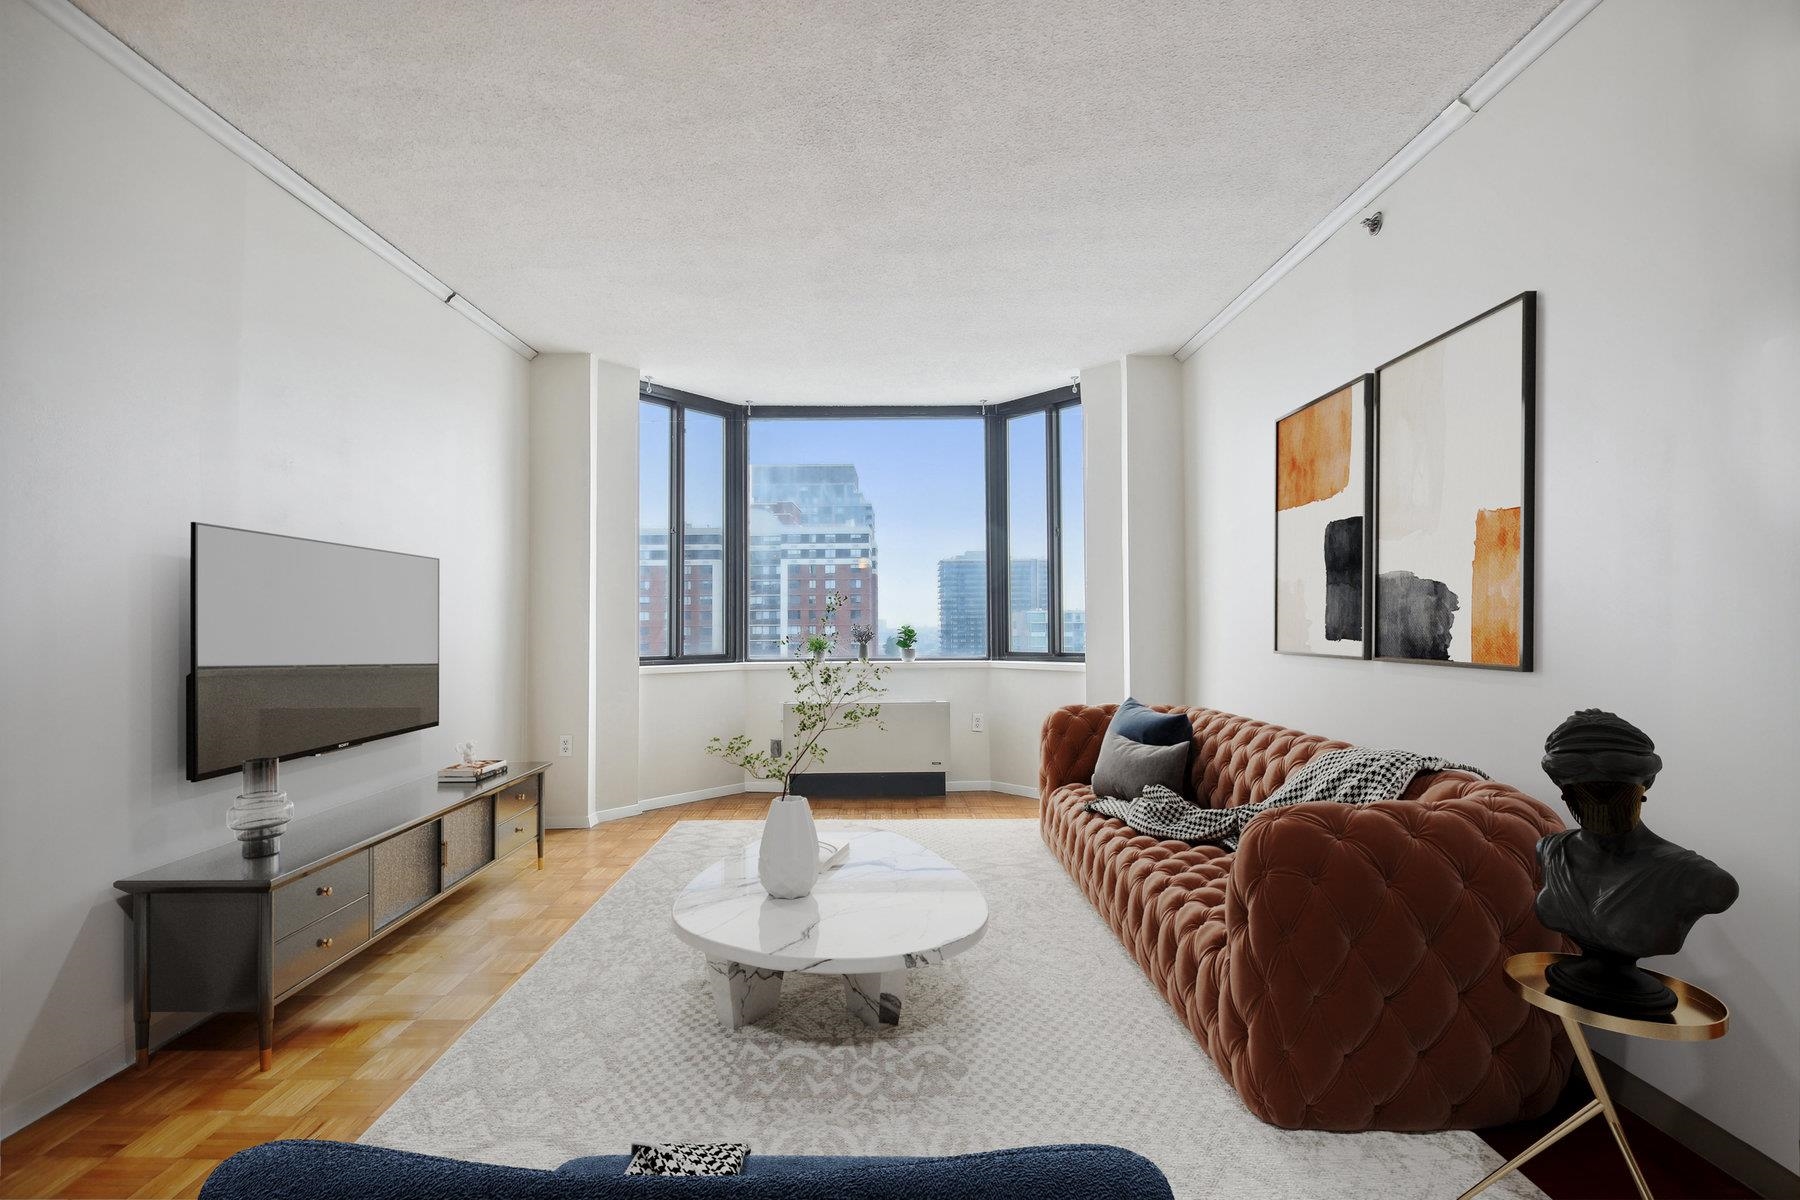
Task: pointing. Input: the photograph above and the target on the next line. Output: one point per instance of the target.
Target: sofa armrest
(1070, 745)
(1366, 986)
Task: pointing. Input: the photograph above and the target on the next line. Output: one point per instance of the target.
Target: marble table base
(875, 999)
(744, 995)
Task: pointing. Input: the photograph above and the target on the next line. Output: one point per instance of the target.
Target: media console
(219, 932)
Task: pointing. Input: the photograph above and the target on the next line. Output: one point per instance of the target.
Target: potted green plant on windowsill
(908, 641)
(828, 696)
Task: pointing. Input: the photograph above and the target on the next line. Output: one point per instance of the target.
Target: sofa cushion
(1142, 724)
(1126, 768)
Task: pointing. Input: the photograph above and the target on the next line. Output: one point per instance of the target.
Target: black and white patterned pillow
(687, 1158)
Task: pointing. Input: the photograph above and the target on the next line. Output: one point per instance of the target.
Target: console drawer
(512, 832)
(306, 900)
(324, 942)
(515, 799)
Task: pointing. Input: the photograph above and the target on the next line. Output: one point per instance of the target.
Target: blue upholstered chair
(310, 1170)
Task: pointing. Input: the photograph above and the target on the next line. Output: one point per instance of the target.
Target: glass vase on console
(259, 815)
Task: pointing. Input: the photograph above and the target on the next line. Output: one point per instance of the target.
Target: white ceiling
(863, 201)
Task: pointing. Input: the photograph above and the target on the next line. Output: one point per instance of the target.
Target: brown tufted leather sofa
(1344, 966)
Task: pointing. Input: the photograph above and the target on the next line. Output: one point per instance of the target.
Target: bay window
(962, 522)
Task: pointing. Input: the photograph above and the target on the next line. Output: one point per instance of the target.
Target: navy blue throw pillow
(1139, 723)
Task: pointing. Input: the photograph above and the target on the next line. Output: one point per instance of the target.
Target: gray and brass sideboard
(219, 932)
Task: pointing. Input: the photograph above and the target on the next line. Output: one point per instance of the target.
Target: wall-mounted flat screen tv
(300, 647)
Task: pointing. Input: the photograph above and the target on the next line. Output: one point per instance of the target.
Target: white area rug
(1045, 1032)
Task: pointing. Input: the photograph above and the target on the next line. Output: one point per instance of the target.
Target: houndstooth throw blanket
(1350, 776)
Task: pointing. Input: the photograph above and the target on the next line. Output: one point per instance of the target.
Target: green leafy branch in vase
(828, 696)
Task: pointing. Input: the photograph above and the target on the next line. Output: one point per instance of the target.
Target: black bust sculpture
(1616, 889)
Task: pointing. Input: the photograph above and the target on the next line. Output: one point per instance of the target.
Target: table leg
(265, 983)
(140, 984)
(1601, 1104)
(742, 995)
(877, 998)
(1602, 1097)
(1580, 1117)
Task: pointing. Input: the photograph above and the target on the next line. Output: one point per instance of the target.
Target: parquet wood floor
(358, 1038)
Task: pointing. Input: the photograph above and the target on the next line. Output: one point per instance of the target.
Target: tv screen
(301, 647)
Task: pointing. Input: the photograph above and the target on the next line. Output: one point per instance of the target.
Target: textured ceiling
(859, 201)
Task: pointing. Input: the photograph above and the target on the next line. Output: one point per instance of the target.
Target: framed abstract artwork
(1454, 480)
(1322, 480)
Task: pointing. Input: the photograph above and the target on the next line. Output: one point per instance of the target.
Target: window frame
(1051, 404)
(736, 538)
(679, 404)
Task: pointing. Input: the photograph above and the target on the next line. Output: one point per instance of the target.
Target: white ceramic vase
(787, 863)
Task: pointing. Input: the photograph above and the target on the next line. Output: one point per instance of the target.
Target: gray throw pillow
(1126, 768)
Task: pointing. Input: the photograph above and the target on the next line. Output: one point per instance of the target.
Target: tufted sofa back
(1235, 760)
(1240, 761)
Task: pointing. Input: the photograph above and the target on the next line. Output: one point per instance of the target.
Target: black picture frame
(1369, 384)
(1527, 495)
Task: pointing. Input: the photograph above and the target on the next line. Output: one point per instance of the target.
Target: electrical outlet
(565, 745)
(774, 747)
(978, 723)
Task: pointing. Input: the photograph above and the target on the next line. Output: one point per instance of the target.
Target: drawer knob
(325, 890)
(518, 829)
(324, 943)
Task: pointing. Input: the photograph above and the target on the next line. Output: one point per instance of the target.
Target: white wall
(613, 634)
(1136, 521)
(180, 340)
(1644, 177)
(584, 584)
(1103, 494)
(562, 678)
(683, 707)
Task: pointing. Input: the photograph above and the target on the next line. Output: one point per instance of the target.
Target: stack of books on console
(469, 772)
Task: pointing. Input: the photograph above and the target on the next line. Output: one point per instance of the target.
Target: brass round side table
(1699, 1016)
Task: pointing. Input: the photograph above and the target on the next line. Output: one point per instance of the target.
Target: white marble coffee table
(888, 906)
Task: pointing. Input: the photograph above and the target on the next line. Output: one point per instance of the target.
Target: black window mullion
(1053, 529)
(736, 538)
(998, 549)
(677, 529)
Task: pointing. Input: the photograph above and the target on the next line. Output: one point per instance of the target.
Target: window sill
(926, 664)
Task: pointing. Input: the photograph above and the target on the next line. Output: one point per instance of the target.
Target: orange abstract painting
(1496, 609)
(1312, 452)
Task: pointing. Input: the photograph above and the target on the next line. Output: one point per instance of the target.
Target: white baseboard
(601, 816)
(712, 793)
(992, 785)
(92, 1073)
